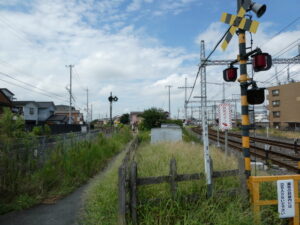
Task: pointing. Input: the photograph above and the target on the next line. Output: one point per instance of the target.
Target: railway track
(287, 158)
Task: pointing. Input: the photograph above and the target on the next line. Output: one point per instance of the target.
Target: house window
(276, 114)
(275, 92)
(276, 103)
(31, 111)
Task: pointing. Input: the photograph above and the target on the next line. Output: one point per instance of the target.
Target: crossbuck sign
(225, 116)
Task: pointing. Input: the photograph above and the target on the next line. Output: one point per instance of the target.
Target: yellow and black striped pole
(244, 103)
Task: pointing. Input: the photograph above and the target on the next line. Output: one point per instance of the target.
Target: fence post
(267, 150)
(122, 195)
(242, 175)
(173, 175)
(218, 137)
(295, 145)
(226, 141)
(133, 192)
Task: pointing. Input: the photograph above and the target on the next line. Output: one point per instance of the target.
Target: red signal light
(261, 62)
(230, 74)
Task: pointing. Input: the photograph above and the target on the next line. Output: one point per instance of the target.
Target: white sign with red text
(225, 116)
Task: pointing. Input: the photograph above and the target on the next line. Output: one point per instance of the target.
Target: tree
(153, 117)
(124, 118)
(11, 125)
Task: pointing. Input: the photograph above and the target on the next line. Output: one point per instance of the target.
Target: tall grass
(101, 199)
(65, 170)
(153, 160)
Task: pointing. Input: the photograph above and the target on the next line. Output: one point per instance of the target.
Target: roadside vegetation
(101, 203)
(25, 181)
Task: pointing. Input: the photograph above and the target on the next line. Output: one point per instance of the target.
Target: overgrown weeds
(25, 182)
(153, 160)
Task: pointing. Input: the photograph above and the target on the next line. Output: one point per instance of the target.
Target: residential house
(77, 117)
(135, 118)
(58, 119)
(6, 98)
(34, 112)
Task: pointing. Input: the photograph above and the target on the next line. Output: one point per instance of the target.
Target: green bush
(65, 169)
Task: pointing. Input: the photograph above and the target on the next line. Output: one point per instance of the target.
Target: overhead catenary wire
(203, 63)
(283, 29)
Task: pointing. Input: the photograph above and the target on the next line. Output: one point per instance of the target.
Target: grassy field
(153, 160)
(64, 171)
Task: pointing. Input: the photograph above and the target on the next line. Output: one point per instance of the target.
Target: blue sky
(131, 47)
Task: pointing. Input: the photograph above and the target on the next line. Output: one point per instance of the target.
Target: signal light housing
(261, 62)
(230, 74)
(256, 96)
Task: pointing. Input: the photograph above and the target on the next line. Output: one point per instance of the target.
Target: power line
(9, 82)
(202, 64)
(14, 31)
(284, 28)
(23, 82)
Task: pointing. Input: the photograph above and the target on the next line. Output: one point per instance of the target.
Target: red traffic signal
(261, 62)
(230, 74)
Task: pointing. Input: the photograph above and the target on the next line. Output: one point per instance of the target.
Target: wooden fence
(124, 178)
(129, 183)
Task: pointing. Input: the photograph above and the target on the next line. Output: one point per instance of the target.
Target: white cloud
(53, 34)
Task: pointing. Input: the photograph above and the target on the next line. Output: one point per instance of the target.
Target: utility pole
(169, 87)
(276, 76)
(87, 106)
(91, 112)
(110, 111)
(207, 161)
(223, 91)
(244, 102)
(288, 73)
(70, 92)
(185, 98)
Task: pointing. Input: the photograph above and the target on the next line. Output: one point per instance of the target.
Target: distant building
(6, 98)
(135, 118)
(34, 112)
(284, 106)
(63, 110)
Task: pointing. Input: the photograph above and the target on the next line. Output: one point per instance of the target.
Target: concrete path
(63, 212)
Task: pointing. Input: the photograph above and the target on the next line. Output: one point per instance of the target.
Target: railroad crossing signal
(237, 21)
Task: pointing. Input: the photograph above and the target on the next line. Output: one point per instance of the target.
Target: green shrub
(66, 169)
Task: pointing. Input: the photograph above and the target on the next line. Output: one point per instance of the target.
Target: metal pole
(87, 107)
(70, 93)
(276, 76)
(226, 141)
(223, 91)
(169, 92)
(185, 95)
(207, 161)
(244, 103)
(110, 111)
(288, 73)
